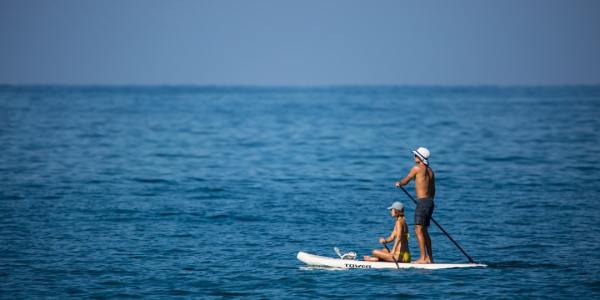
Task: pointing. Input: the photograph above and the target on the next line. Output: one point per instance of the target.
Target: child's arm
(397, 235)
(403, 233)
(389, 238)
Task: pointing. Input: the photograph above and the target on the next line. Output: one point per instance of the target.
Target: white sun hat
(423, 154)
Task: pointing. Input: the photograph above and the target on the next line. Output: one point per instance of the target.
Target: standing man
(425, 190)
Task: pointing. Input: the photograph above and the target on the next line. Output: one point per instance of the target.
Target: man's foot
(422, 260)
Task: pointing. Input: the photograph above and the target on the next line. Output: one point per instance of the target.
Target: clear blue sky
(322, 42)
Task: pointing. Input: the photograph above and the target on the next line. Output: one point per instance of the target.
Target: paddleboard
(322, 261)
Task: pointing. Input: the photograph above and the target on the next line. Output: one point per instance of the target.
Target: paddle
(388, 249)
(440, 227)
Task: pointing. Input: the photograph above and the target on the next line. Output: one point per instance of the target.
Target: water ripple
(200, 192)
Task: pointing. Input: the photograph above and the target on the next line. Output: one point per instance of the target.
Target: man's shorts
(423, 211)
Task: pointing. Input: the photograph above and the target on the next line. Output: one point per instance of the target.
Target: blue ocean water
(157, 192)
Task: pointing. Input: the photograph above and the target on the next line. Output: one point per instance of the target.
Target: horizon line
(299, 86)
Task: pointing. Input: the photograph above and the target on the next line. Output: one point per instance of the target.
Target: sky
(300, 43)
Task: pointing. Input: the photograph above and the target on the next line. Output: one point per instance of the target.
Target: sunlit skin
(398, 235)
(424, 187)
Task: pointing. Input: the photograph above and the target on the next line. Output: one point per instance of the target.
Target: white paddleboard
(322, 261)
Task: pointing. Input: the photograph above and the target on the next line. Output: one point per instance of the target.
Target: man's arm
(404, 181)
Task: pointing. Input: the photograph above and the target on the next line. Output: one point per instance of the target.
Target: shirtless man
(425, 190)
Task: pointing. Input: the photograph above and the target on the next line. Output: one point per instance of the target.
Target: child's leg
(377, 253)
(383, 255)
(370, 258)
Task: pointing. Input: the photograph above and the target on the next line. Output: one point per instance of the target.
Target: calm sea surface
(157, 192)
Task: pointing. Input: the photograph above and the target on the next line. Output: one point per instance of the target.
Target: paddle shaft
(441, 228)
(388, 249)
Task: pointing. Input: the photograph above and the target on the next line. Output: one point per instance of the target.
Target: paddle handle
(441, 228)
(393, 258)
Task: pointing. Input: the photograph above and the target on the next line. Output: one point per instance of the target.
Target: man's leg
(421, 239)
(429, 252)
(426, 233)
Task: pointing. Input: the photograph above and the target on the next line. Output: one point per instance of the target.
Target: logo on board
(358, 266)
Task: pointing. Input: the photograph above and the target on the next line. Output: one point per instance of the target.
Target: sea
(210, 192)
